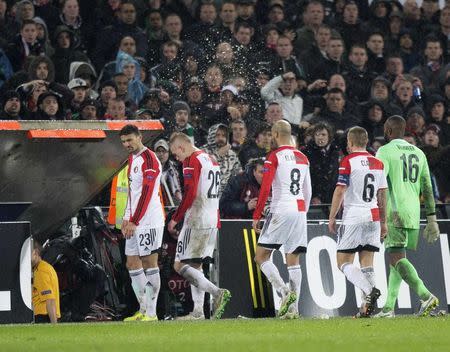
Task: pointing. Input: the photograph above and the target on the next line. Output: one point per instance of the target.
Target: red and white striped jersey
(200, 203)
(286, 171)
(144, 207)
(363, 175)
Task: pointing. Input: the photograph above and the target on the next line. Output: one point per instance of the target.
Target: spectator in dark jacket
(258, 147)
(323, 156)
(50, 107)
(241, 193)
(11, 106)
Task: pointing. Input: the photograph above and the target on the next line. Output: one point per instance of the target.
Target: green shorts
(401, 237)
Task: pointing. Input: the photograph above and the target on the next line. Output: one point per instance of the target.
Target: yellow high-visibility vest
(119, 196)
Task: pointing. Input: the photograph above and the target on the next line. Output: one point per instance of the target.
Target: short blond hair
(358, 136)
(179, 137)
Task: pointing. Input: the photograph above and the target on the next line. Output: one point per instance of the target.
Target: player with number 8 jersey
(286, 173)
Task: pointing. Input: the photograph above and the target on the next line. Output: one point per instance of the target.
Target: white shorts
(145, 241)
(359, 237)
(195, 244)
(287, 230)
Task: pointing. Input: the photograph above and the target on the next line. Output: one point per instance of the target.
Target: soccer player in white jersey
(286, 172)
(361, 190)
(143, 223)
(200, 209)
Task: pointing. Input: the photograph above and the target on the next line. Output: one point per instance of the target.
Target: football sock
(409, 274)
(356, 277)
(393, 287)
(272, 274)
(198, 297)
(152, 290)
(199, 280)
(138, 282)
(295, 280)
(369, 273)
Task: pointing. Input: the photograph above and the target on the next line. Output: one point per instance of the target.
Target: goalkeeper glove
(431, 232)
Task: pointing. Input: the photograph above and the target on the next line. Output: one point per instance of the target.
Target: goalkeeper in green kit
(408, 177)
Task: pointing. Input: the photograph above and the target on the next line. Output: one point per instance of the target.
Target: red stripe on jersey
(375, 214)
(270, 167)
(191, 180)
(218, 219)
(301, 205)
(375, 164)
(345, 167)
(300, 158)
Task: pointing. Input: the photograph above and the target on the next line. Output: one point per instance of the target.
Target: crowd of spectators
(224, 71)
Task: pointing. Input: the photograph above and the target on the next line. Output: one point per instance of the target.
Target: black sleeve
(230, 205)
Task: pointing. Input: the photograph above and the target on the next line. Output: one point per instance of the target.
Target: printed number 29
(214, 177)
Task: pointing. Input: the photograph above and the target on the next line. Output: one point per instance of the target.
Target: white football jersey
(286, 171)
(200, 204)
(144, 207)
(363, 174)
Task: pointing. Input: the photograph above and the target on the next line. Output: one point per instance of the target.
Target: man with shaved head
(286, 172)
(408, 177)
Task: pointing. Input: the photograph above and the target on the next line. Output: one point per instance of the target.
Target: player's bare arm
(382, 201)
(338, 197)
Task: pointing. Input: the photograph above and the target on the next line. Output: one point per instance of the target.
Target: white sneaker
(382, 314)
(192, 316)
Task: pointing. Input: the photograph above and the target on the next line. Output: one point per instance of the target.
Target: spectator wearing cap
(171, 174)
(79, 88)
(109, 38)
(24, 45)
(282, 90)
(219, 147)
(11, 106)
(258, 146)
(323, 154)
(239, 198)
(431, 70)
(84, 70)
(182, 112)
(313, 16)
(65, 53)
(88, 110)
(381, 92)
(50, 107)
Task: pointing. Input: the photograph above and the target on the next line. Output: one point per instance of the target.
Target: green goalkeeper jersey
(408, 176)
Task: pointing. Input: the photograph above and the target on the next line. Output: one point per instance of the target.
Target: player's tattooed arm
(427, 191)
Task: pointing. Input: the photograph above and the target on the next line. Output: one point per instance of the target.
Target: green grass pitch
(334, 335)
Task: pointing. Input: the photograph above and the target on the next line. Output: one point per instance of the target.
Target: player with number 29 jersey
(363, 175)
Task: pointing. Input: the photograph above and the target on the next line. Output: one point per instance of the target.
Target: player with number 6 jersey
(200, 209)
(361, 190)
(286, 173)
